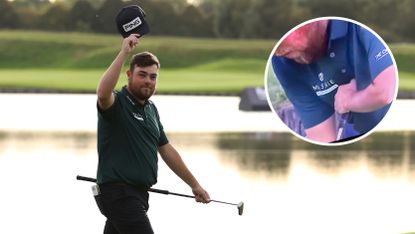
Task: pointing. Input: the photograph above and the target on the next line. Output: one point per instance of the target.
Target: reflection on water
(78, 143)
(257, 152)
(272, 152)
(365, 187)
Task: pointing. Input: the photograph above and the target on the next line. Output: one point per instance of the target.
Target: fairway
(170, 81)
(34, 49)
(406, 81)
(76, 61)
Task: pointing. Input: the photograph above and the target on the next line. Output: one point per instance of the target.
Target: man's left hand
(343, 96)
(201, 195)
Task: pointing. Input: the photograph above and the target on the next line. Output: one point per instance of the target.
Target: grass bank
(75, 61)
(170, 81)
(35, 49)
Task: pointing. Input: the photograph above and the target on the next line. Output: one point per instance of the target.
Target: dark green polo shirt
(129, 135)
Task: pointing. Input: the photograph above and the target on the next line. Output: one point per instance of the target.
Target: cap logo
(132, 24)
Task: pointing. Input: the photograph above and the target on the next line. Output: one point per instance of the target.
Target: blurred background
(210, 18)
(52, 54)
(226, 41)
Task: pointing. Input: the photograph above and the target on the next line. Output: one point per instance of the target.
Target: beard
(304, 58)
(142, 93)
(317, 48)
(306, 45)
(310, 56)
(312, 53)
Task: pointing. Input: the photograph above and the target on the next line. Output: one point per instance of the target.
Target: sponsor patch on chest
(138, 116)
(325, 86)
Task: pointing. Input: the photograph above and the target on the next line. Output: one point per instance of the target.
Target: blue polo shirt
(352, 52)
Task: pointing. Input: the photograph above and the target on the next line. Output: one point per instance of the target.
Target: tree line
(210, 18)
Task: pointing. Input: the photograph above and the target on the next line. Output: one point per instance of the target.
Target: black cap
(130, 19)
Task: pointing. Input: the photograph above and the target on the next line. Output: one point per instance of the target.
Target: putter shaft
(166, 192)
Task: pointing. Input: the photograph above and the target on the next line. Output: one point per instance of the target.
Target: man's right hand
(343, 96)
(129, 43)
(110, 78)
(201, 195)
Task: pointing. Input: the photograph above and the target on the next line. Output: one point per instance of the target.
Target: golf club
(240, 205)
(344, 119)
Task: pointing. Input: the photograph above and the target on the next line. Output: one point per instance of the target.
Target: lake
(179, 114)
(288, 186)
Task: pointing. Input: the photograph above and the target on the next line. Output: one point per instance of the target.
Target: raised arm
(172, 158)
(110, 77)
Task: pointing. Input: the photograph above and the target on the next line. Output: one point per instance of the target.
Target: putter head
(240, 208)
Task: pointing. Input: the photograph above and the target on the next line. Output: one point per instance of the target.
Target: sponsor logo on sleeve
(381, 54)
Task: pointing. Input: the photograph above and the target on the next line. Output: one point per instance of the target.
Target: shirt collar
(336, 30)
(131, 98)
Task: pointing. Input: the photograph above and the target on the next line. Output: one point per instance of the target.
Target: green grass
(76, 80)
(207, 81)
(33, 49)
(170, 81)
(76, 61)
(406, 81)
(405, 56)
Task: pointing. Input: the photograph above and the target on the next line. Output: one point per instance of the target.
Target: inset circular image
(331, 80)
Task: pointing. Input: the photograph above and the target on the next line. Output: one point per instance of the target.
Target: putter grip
(158, 191)
(86, 178)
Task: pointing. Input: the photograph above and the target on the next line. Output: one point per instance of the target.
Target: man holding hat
(129, 136)
(130, 19)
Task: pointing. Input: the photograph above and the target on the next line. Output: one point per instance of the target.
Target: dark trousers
(125, 208)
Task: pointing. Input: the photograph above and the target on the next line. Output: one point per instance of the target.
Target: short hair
(144, 59)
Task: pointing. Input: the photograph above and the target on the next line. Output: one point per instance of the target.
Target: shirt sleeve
(163, 138)
(378, 56)
(307, 105)
(111, 112)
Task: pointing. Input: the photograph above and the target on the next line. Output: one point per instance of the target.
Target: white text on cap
(132, 24)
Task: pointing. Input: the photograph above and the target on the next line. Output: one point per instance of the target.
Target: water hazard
(288, 186)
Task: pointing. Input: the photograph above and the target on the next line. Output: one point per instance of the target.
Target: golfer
(129, 136)
(329, 66)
